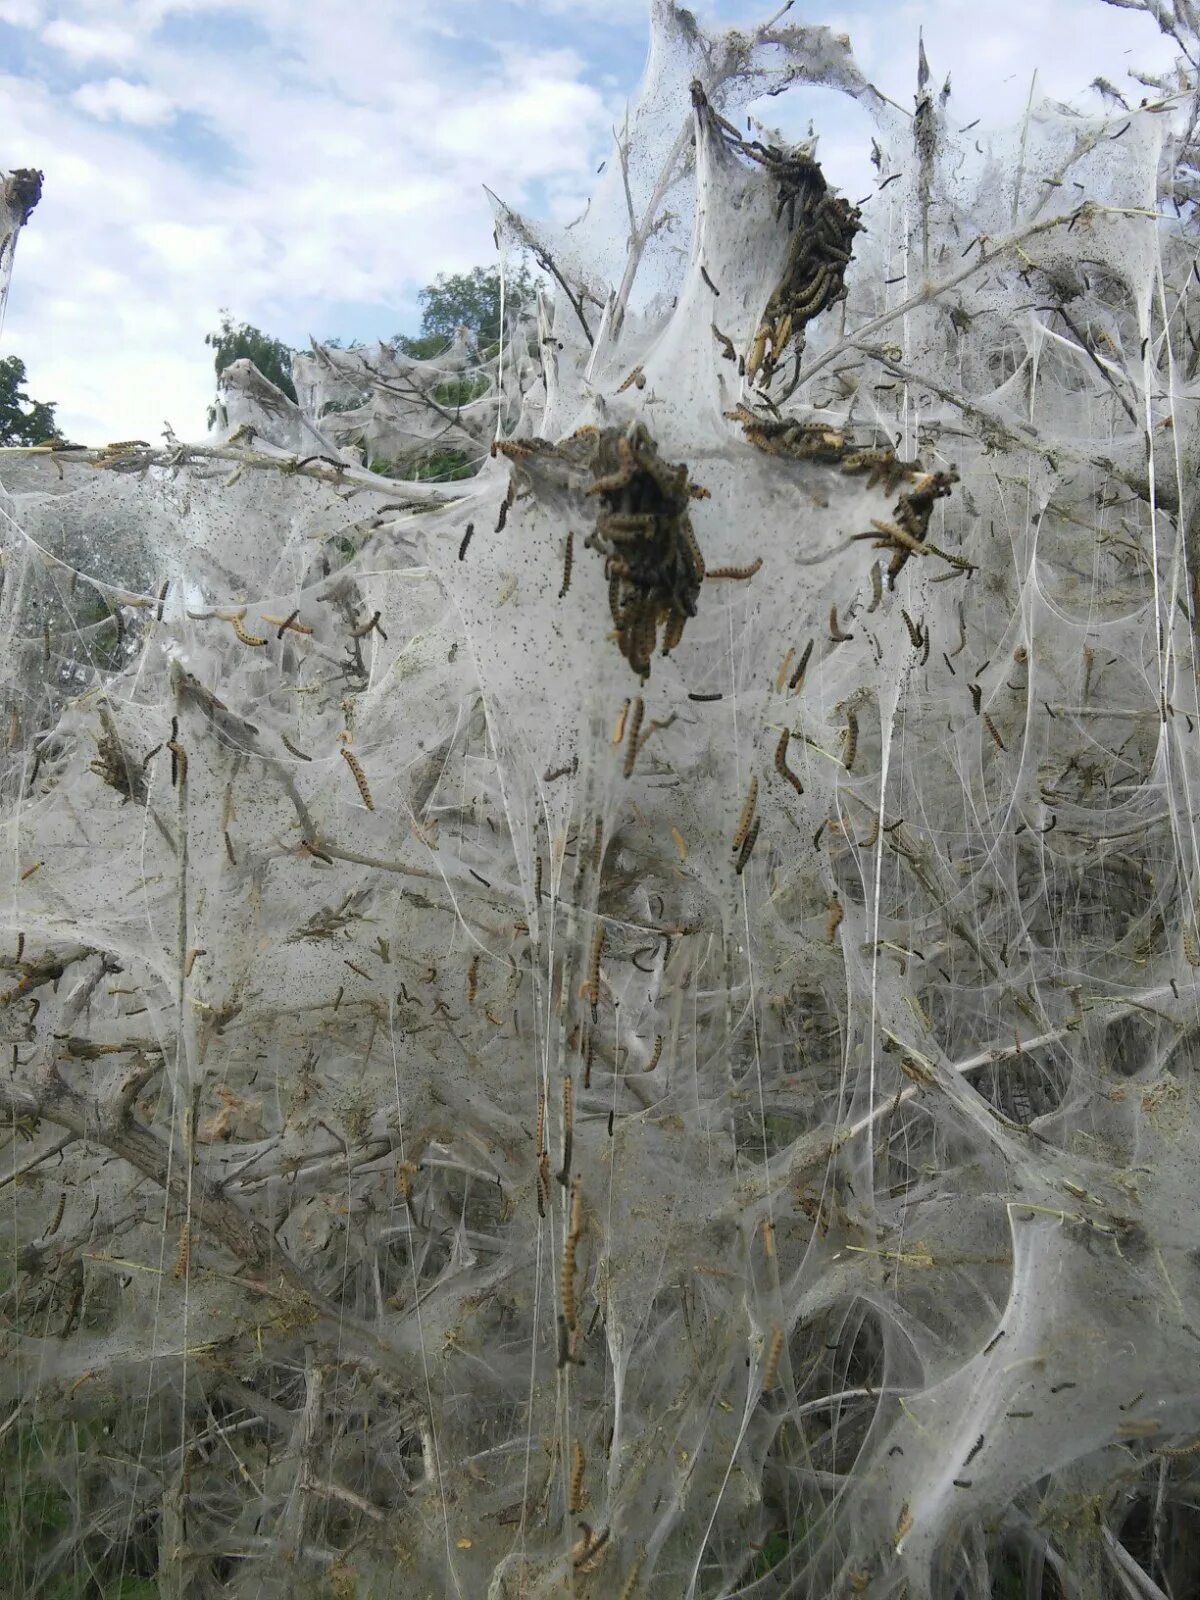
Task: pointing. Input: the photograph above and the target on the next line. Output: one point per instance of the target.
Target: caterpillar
(631, 737)
(836, 633)
(543, 1182)
(738, 573)
(185, 1251)
(575, 1496)
(630, 1583)
(834, 919)
(368, 627)
(1177, 1452)
(360, 777)
(566, 1277)
(619, 727)
(568, 1117)
(229, 849)
(781, 766)
(796, 681)
(587, 1064)
(994, 731)
(537, 880)
(900, 536)
(162, 599)
(594, 972)
(748, 844)
(287, 624)
(654, 1059)
(876, 588)
(851, 749)
(58, 1215)
(288, 745)
(179, 760)
(781, 675)
(771, 1370)
(976, 696)
(1190, 948)
(252, 639)
(568, 562)
(914, 632)
(473, 979)
(746, 816)
(466, 539)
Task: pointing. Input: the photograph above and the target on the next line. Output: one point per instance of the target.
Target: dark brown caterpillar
(631, 734)
(781, 766)
(568, 563)
(796, 681)
(746, 817)
(851, 746)
(594, 971)
(568, 1115)
(835, 632)
(748, 844)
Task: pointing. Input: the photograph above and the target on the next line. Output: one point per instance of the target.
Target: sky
(311, 165)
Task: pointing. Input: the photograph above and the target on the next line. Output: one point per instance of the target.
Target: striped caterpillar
(566, 1280)
(594, 974)
(568, 1108)
(774, 1350)
(568, 563)
(185, 1251)
(575, 1494)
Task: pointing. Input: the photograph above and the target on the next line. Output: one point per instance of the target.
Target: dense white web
(499, 1109)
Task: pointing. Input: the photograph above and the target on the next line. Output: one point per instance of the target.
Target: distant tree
(468, 300)
(241, 340)
(22, 420)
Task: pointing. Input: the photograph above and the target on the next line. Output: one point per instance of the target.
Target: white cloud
(20, 13)
(86, 41)
(116, 100)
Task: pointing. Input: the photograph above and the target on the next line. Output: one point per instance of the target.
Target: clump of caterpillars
(643, 530)
(821, 225)
(651, 559)
(905, 534)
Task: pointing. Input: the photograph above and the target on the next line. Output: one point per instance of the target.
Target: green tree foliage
(468, 300)
(241, 340)
(22, 420)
